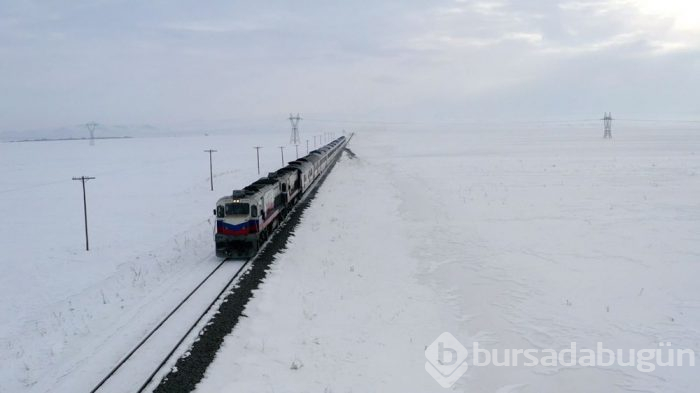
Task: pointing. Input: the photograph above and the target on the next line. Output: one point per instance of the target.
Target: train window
(220, 211)
(237, 209)
(253, 211)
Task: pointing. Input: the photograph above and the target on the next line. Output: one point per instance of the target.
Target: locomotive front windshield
(237, 209)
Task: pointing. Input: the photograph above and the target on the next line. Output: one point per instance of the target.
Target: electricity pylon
(91, 126)
(294, 139)
(607, 124)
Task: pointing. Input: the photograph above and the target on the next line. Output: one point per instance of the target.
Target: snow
(332, 296)
(513, 239)
(68, 316)
(510, 239)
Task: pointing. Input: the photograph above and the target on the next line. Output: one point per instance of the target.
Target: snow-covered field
(68, 315)
(513, 239)
(522, 240)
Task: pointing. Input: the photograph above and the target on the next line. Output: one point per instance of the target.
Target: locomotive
(246, 218)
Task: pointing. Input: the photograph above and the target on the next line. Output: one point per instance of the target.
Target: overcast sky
(183, 62)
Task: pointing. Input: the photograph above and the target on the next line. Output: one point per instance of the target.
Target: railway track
(153, 358)
(150, 357)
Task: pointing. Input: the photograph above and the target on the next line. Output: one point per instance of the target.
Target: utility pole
(257, 151)
(297, 149)
(83, 179)
(211, 169)
(282, 152)
(607, 124)
(91, 127)
(307, 146)
(294, 139)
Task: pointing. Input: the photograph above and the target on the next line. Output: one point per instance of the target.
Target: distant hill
(79, 131)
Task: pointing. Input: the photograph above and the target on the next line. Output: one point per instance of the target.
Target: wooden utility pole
(211, 168)
(83, 179)
(257, 151)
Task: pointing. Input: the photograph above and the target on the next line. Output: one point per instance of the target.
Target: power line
(659, 120)
(456, 122)
(491, 122)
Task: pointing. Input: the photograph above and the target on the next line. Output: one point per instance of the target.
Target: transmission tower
(91, 126)
(607, 123)
(295, 129)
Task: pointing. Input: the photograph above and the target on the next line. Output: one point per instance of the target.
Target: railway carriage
(290, 184)
(247, 217)
(305, 169)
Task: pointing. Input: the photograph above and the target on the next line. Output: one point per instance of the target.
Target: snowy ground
(67, 316)
(510, 239)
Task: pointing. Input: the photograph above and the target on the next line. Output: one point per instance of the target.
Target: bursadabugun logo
(446, 360)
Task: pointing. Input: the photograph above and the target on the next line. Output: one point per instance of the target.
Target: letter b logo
(446, 360)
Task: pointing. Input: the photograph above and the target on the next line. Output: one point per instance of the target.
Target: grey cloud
(166, 62)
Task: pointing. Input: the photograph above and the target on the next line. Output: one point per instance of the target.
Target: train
(246, 218)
